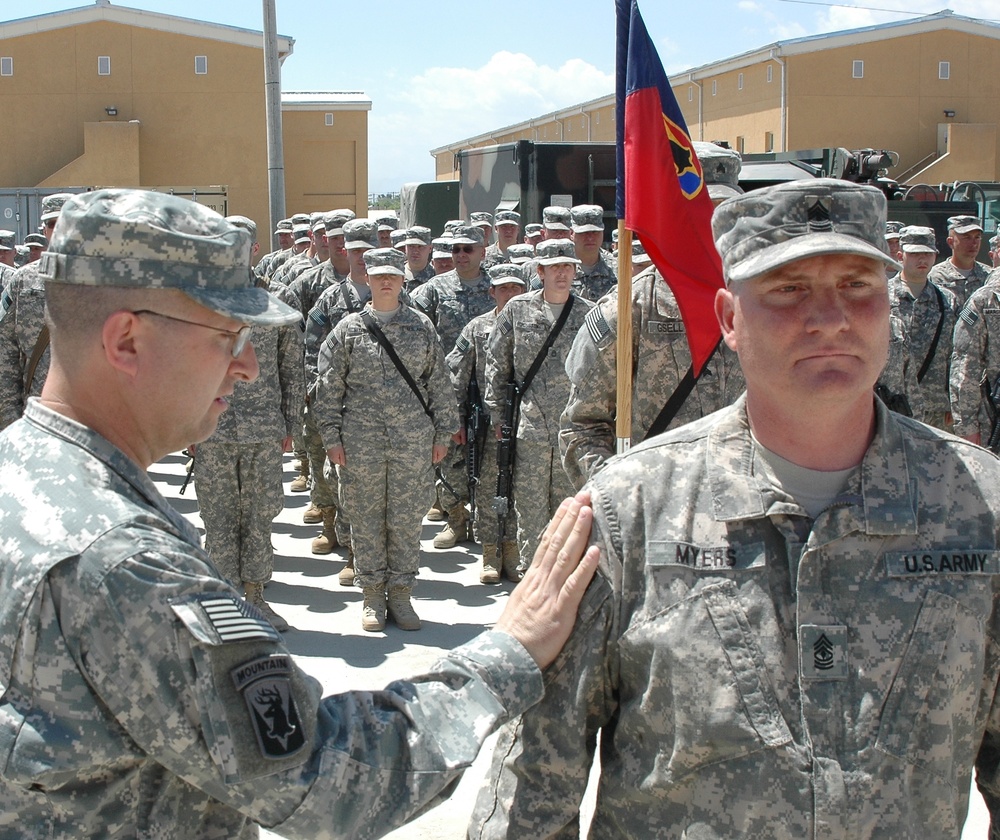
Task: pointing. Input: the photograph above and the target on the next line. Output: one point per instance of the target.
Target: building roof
(325, 100)
(103, 10)
(945, 19)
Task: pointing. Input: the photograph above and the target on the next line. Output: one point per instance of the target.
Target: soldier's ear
(725, 311)
(118, 340)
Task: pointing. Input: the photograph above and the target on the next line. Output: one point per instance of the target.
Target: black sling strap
(384, 343)
(553, 335)
(937, 334)
(681, 392)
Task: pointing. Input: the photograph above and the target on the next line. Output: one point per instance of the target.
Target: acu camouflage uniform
(595, 282)
(976, 353)
(755, 673)
(142, 697)
(412, 282)
(237, 471)
(945, 276)
(22, 316)
(660, 359)
(899, 377)
(363, 403)
(540, 483)
(920, 317)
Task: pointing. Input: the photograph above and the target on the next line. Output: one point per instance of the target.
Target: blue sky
(443, 70)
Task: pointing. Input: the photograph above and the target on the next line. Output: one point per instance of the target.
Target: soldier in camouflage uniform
(975, 354)
(452, 300)
(35, 243)
(142, 696)
(383, 438)
(926, 311)
(467, 360)
(540, 482)
(7, 254)
(961, 273)
(793, 633)
(483, 221)
(237, 471)
(301, 240)
(892, 230)
(555, 225)
(532, 234)
(24, 349)
(660, 354)
(283, 230)
(508, 226)
(386, 223)
(597, 273)
(995, 251)
(315, 255)
(416, 244)
(441, 257)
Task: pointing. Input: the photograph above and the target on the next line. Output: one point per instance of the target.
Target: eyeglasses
(463, 249)
(241, 337)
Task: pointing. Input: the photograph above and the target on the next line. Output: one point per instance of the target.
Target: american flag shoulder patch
(969, 315)
(597, 325)
(221, 618)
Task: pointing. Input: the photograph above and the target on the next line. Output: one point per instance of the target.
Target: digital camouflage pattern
(660, 359)
(946, 276)
(518, 337)
(899, 376)
(363, 403)
(920, 317)
(976, 352)
(755, 673)
(415, 281)
(237, 471)
(22, 316)
(129, 708)
(451, 303)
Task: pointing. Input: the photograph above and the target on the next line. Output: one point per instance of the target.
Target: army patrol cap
(587, 217)
(441, 248)
(7, 238)
(396, 237)
(36, 240)
(249, 225)
(151, 240)
(767, 229)
(532, 229)
(300, 219)
(317, 222)
(385, 261)
(467, 235)
(52, 204)
(892, 229)
(521, 253)
(418, 235)
(360, 233)
(504, 273)
(301, 233)
(507, 217)
(721, 168)
(556, 218)
(964, 224)
(335, 221)
(284, 226)
(994, 242)
(917, 240)
(452, 224)
(387, 222)
(556, 252)
(639, 255)
(481, 219)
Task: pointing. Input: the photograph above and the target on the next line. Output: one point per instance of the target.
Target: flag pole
(623, 412)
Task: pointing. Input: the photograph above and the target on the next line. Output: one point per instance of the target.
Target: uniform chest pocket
(929, 714)
(702, 692)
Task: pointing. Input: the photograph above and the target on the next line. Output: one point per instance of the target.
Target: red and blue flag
(661, 187)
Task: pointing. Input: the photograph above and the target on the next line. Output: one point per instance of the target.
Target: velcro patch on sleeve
(597, 326)
(265, 684)
(969, 315)
(223, 618)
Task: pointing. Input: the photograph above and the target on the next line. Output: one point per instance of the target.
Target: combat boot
(511, 560)
(255, 595)
(491, 564)
(373, 610)
(326, 542)
(437, 513)
(312, 515)
(301, 482)
(346, 576)
(401, 610)
(457, 529)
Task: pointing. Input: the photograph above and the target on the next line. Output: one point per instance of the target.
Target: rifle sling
(681, 393)
(41, 345)
(937, 334)
(384, 343)
(540, 358)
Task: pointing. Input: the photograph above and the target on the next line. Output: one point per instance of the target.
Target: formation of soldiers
(416, 352)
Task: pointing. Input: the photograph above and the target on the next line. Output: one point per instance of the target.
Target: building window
(770, 72)
(7, 66)
(201, 65)
(739, 82)
(858, 69)
(714, 87)
(329, 119)
(104, 65)
(690, 94)
(768, 141)
(944, 69)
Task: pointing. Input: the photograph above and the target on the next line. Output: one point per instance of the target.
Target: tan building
(927, 88)
(110, 96)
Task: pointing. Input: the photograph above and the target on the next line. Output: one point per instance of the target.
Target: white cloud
(445, 104)
(748, 6)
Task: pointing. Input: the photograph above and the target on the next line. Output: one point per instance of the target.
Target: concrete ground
(328, 642)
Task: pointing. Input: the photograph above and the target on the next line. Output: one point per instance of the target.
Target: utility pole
(272, 109)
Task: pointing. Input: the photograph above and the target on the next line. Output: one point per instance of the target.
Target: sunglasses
(463, 249)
